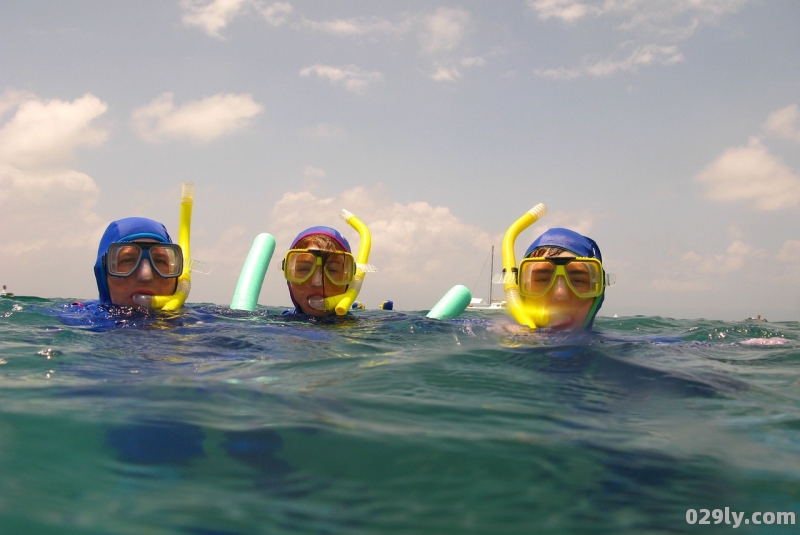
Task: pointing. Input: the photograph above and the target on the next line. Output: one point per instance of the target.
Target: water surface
(212, 421)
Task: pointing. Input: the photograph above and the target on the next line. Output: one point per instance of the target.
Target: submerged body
(219, 421)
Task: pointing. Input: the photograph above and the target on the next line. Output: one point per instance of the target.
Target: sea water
(212, 421)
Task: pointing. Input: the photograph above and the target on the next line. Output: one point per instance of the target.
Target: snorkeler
(562, 273)
(322, 274)
(319, 265)
(560, 283)
(163, 281)
(136, 260)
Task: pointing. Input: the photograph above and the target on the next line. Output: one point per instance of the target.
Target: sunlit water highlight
(211, 421)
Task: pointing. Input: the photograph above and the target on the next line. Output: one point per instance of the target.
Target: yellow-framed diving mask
(300, 264)
(584, 276)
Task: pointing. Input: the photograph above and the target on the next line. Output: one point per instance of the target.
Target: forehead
(322, 242)
(551, 251)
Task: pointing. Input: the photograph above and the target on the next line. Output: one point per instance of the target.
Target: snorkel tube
(524, 315)
(341, 303)
(176, 300)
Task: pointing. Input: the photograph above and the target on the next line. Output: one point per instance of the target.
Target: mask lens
(536, 277)
(583, 276)
(300, 265)
(124, 258)
(167, 260)
(340, 268)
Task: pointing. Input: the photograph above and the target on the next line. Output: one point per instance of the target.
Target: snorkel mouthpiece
(317, 302)
(341, 303)
(176, 300)
(530, 316)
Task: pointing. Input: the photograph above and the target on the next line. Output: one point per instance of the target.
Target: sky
(668, 131)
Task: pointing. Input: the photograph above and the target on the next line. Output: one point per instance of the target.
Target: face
(310, 294)
(144, 281)
(567, 311)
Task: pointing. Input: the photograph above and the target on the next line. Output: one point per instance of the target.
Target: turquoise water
(211, 421)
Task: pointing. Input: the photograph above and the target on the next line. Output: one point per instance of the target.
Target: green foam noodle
(252, 276)
(452, 304)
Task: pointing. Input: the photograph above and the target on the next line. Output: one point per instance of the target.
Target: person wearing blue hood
(563, 273)
(318, 265)
(136, 260)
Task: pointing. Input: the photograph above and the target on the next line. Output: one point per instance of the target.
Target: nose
(316, 278)
(560, 289)
(145, 271)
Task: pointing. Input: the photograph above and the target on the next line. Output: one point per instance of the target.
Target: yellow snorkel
(176, 300)
(341, 303)
(524, 315)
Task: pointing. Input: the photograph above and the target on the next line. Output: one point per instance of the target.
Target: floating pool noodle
(176, 300)
(452, 304)
(245, 297)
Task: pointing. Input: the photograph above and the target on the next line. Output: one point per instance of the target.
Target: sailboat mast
(491, 277)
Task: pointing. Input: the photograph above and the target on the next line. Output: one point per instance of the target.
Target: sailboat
(493, 304)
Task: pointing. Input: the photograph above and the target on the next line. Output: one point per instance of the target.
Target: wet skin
(314, 288)
(567, 311)
(144, 281)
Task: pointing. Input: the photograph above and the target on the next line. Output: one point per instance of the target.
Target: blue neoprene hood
(326, 231)
(575, 243)
(124, 230)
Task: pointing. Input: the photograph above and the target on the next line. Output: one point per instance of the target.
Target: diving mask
(300, 264)
(584, 276)
(123, 258)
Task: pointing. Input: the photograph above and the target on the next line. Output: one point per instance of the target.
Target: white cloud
(359, 26)
(47, 211)
(783, 123)
(559, 73)
(225, 256)
(641, 57)
(309, 171)
(675, 19)
(212, 16)
(659, 23)
(751, 173)
(351, 77)
(581, 221)
(323, 131)
(311, 177)
(444, 30)
(46, 132)
(46, 208)
(446, 74)
(566, 10)
(790, 252)
(669, 18)
(278, 13)
(199, 121)
(453, 74)
(48, 215)
(695, 272)
(473, 61)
